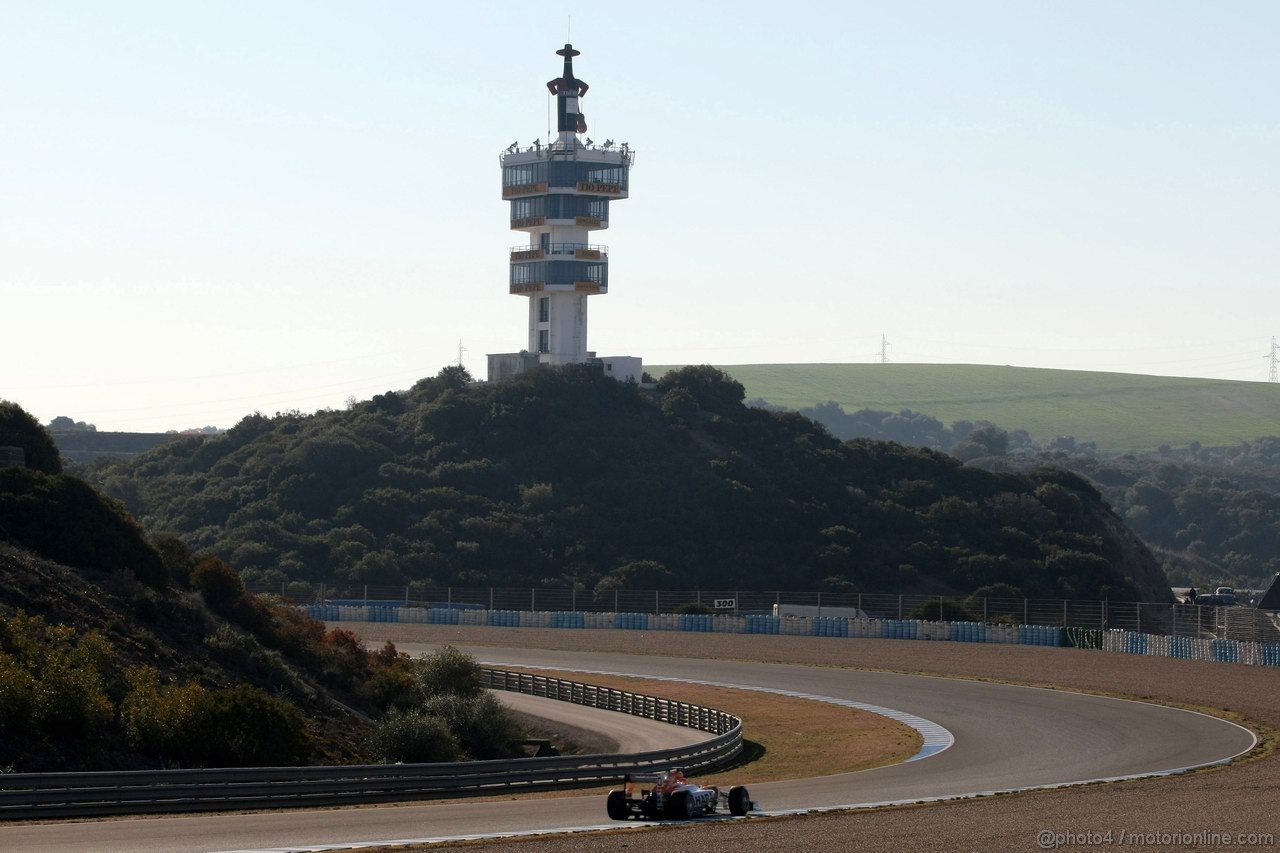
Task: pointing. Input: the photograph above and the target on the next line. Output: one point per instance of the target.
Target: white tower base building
(559, 194)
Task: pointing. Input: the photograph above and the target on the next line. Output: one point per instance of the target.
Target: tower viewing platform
(559, 193)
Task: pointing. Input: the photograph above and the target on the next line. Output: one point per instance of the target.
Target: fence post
(656, 605)
(450, 598)
(406, 596)
(573, 599)
(984, 608)
(490, 598)
(1026, 612)
(1064, 613)
(282, 590)
(941, 618)
(819, 605)
(860, 610)
(366, 595)
(533, 600)
(1104, 614)
(615, 601)
(899, 607)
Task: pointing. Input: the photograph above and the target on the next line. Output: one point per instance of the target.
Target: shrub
(17, 689)
(240, 726)
(243, 726)
(392, 687)
(218, 584)
(450, 672)
(942, 611)
(694, 607)
(19, 429)
(53, 680)
(176, 556)
(483, 725)
(412, 736)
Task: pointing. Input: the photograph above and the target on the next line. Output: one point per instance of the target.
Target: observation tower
(560, 192)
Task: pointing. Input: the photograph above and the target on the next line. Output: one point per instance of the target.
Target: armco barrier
(1115, 640)
(40, 796)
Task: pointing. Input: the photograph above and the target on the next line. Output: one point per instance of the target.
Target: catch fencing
(38, 796)
(1186, 620)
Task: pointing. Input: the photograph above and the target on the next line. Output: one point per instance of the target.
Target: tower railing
(562, 249)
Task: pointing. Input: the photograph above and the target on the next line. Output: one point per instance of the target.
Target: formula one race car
(674, 798)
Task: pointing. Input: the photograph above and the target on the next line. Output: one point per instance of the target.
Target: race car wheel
(617, 805)
(680, 806)
(739, 801)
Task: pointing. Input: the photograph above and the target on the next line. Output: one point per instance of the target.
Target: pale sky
(211, 209)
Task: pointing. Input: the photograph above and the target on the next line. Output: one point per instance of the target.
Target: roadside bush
(942, 611)
(450, 672)
(240, 726)
(54, 680)
(392, 687)
(412, 737)
(483, 725)
(17, 689)
(695, 608)
(243, 726)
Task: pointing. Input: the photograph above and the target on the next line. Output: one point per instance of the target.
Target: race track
(1005, 737)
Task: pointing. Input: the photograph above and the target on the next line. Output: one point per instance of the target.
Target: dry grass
(800, 738)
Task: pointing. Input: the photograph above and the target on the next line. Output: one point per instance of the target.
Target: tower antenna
(1273, 375)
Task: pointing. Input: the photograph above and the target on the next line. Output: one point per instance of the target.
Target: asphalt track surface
(633, 734)
(1006, 737)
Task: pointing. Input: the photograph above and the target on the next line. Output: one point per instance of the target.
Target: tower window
(544, 340)
(544, 309)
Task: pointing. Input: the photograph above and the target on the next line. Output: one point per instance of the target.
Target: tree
(19, 429)
(712, 389)
(66, 424)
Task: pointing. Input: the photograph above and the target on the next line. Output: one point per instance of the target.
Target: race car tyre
(680, 806)
(617, 805)
(739, 801)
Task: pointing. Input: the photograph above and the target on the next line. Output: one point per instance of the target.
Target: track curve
(1006, 737)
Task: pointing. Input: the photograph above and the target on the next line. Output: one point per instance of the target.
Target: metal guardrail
(26, 796)
(1187, 620)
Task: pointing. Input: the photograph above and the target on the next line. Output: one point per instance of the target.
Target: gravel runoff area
(1170, 813)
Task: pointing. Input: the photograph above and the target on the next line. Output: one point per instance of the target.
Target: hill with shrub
(566, 478)
(121, 653)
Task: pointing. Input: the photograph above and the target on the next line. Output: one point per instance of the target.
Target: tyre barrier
(1114, 640)
(763, 624)
(568, 620)
(824, 626)
(696, 622)
(631, 621)
(968, 632)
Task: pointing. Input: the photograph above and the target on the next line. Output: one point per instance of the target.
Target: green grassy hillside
(1120, 411)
